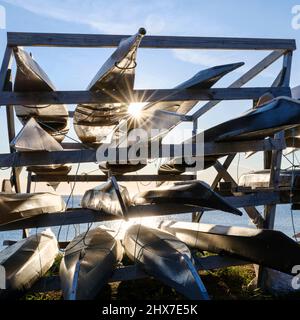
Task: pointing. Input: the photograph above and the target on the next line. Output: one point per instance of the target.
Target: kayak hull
(190, 193)
(18, 206)
(163, 257)
(93, 123)
(31, 78)
(265, 247)
(88, 264)
(27, 260)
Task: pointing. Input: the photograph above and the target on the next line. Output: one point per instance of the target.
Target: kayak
(261, 178)
(24, 262)
(88, 263)
(107, 199)
(18, 206)
(162, 116)
(196, 193)
(93, 122)
(166, 258)
(270, 248)
(281, 113)
(30, 77)
(179, 165)
(33, 137)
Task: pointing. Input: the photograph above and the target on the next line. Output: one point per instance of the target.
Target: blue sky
(74, 68)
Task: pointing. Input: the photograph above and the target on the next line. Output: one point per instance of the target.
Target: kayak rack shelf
(21, 159)
(76, 152)
(134, 272)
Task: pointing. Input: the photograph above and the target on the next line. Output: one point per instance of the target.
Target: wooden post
(6, 85)
(275, 166)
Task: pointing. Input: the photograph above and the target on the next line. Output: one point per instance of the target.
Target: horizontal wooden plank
(122, 178)
(88, 97)
(21, 159)
(135, 272)
(79, 216)
(173, 42)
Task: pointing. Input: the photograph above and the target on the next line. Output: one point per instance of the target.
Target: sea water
(283, 222)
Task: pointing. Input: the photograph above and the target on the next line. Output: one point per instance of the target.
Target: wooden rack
(74, 153)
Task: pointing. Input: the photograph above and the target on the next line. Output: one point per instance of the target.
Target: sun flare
(135, 109)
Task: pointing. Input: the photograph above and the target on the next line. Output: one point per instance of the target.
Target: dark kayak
(166, 258)
(195, 193)
(281, 113)
(265, 247)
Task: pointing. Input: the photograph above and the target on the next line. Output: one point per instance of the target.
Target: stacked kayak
(31, 78)
(107, 198)
(166, 258)
(88, 263)
(24, 262)
(18, 206)
(33, 137)
(261, 178)
(43, 124)
(195, 193)
(265, 247)
(93, 122)
(281, 113)
(162, 116)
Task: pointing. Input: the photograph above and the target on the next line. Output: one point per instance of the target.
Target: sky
(73, 69)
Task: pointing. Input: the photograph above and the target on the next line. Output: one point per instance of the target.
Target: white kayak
(33, 137)
(88, 263)
(24, 262)
(30, 77)
(18, 206)
(107, 198)
(93, 122)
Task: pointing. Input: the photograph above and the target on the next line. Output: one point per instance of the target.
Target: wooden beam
(153, 95)
(6, 64)
(287, 66)
(23, 159)
(225, 175)
(252, 212)
(99, 178)
(249, 75)
(270, 209)
(79, 216)
(226, 165)
(172, 42)
(135, 272)
(11, 128)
